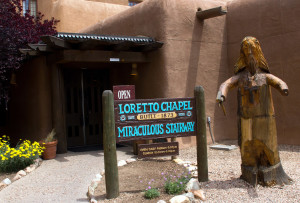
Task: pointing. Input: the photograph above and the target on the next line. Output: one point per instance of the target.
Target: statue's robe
(257, 126)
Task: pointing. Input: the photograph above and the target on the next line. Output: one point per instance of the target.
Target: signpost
(127, 119)
(154, 118)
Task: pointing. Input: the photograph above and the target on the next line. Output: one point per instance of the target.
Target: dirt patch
(135, 177)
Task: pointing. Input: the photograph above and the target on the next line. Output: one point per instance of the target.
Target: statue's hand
(220, 98)
(285, 92)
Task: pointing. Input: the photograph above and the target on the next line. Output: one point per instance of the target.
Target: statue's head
(251, 57)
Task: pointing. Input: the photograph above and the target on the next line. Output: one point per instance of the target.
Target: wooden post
(109, 141)
(201, 135)
(58, 115)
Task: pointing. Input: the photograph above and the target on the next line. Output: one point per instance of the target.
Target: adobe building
(174, 50)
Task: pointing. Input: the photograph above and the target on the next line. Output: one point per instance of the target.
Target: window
(29, 5)
(134, 2)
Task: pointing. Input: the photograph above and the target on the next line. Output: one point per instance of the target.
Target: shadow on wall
(193, 64)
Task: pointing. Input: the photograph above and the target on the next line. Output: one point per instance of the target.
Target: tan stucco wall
(276, 25)
(194, 52)
(75, 15)
(30, 115)
(204, 53)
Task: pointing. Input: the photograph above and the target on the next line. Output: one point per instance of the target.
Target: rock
(102, 172)
(194, 174)
(98, 177)
(17, 177)
(192, 168)
(193, 184)
(6, 181)
(2, 186)
(122, 163)
(93, 200)
(130, 160)
(91, 191)
(21, 173)
(30, 168)
(161, 201)
(178, 161)
(95, 183)
(190, 195)
(199, 194)
(38, 162)
(179, 199)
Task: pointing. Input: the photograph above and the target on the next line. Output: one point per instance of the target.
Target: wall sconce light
(13, 79)
(134, 69)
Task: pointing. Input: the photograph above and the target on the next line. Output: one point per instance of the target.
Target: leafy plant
(16, 31)
(175, 184)
(15, 159)
(152, 193)
(50, 137)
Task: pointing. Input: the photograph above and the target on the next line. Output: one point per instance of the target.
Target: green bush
(176, 184)
(152, 193)
(18, 158)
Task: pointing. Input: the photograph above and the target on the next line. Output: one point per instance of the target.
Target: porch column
(58, 111)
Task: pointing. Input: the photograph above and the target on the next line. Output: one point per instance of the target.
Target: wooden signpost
(127, 119)
(154, 118)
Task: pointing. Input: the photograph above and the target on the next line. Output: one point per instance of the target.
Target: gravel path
(64, 179)
(224, 171)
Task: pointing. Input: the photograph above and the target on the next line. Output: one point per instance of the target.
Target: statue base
(266, 176)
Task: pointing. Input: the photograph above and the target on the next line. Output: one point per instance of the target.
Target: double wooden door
(83, 97)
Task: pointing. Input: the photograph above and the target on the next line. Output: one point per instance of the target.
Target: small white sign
(114, 59)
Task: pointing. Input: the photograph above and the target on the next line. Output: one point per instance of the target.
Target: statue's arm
(278, 84)
(226, 86)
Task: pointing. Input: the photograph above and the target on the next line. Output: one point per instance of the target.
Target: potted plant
(50, 144)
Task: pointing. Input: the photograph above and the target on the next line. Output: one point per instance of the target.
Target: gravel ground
(224, 171)
(63, 179)
(66, 178)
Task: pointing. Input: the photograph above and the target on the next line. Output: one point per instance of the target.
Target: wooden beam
(41, 47)
(210, 13)
(29, 52)
(56, 42)
(102, 56)
(123, 46)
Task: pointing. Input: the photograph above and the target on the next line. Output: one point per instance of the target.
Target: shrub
(15, 159)
(152, 193)
(177, 183)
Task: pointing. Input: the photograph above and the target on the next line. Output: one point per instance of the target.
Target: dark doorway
(83, 96)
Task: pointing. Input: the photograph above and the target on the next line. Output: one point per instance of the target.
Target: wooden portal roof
(80, 41)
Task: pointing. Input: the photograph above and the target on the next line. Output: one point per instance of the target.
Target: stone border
(6, 182)
(192, 188)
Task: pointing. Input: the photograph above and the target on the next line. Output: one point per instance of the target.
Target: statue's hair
(257, 52)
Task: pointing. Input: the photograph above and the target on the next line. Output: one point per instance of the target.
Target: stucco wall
(276, 25)
(75, 15)
(30, 115)
(194, 52)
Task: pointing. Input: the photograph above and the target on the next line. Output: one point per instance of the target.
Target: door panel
(95, 84)
(84, 113)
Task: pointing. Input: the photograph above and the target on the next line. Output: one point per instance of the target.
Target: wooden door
(95, 82)
(83, 93)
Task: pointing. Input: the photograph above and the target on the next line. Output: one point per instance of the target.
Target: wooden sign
(124, 92)
(158, 149)
(154, 118)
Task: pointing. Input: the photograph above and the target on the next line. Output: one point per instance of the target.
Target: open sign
(124, 92)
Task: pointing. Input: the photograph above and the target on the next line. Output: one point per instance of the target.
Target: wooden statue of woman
(256, 118)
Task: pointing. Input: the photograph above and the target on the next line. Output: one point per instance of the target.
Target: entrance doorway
(83, 97)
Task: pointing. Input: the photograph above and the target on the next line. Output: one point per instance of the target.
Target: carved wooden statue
(256, 119)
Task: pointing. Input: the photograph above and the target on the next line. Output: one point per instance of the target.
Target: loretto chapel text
(160, 118)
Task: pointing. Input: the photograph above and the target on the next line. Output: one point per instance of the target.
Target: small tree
(16, 31)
